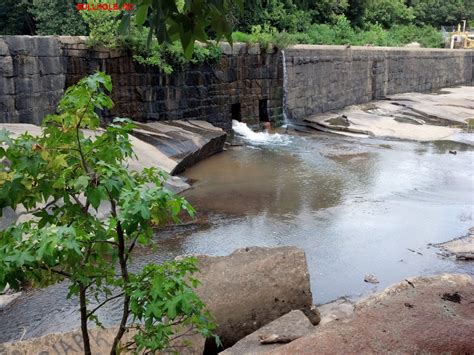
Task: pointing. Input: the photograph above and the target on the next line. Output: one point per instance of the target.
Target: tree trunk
(124, 271)
(83, 308)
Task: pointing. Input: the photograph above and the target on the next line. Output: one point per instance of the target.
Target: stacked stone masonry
(34, 72)
(325, 78)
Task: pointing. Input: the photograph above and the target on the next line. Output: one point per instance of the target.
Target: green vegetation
(62, 179)
(156, 30)
(342, 33)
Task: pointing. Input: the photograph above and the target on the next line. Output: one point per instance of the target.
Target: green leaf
(94, 196)
(141, 14)
(82, 182)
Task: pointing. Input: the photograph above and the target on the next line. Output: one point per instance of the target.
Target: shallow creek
(355, 206)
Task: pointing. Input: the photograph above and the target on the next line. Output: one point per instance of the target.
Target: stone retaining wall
(34, 71)
(247, 83)
(324, 78)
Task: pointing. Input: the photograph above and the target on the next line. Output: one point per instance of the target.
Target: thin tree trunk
(83, 308)
(126, 299)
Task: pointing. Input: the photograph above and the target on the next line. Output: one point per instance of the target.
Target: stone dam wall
(325, 78)
(246, 84)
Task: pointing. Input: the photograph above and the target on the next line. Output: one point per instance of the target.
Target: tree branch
(104, 302)
(59, 272)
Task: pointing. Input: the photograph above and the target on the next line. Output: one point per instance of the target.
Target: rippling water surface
(354, 206)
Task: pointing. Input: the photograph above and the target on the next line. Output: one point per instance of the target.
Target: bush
(168, 57)
(427, 36)
(103, 28)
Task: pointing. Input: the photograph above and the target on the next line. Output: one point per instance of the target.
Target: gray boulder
(252, 287)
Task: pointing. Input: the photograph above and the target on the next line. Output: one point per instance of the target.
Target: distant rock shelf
(445, 115)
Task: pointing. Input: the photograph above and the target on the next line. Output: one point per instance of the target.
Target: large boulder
(419, 315)
(252, 287)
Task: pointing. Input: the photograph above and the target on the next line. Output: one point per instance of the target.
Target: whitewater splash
(259, 138)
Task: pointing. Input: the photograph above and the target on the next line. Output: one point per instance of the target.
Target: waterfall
(285, 91)
(259, 138)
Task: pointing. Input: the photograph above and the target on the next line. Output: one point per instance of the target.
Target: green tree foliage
(442, 12)
(355, 12)
(103, 27)
(62, 178)
(15, 18)
(388, 12)
(187, 22)
(57, 17)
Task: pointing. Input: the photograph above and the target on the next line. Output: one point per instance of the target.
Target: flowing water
(354, 206)
(285, 90)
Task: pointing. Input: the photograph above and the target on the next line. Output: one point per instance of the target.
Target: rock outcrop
(172, 146)
(419, 315)
(413, 116)
(101, 341)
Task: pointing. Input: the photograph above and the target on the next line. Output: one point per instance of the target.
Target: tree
(442, 12)
(355, 12)
(388, 12)
(57, 17)
(62, 178)
(15, 18)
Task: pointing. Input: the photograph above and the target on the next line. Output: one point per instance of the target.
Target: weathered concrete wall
(35, 71)
(324, 78)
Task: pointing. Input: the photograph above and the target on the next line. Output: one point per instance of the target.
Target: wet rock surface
(341, 309)
(291, 326)
(184, 142)
(424, 314)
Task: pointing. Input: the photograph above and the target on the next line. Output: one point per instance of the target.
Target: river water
(355, 207)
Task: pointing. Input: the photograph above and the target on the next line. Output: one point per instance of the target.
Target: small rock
(452, 297)
(371, 279)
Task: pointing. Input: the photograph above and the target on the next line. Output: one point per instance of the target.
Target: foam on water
(259, 138)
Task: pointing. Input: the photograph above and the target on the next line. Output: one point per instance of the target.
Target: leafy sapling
(87, 212)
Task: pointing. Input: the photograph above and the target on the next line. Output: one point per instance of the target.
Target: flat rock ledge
(446, 115)
(418, 315)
